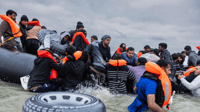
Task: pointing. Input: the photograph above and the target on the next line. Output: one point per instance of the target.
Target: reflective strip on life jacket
(14, 26)
(77, 55)
(120, 62)
(162, 76)
(46, 54)
(188, 71)
(139, 54)
(37, 23)
(82, 36)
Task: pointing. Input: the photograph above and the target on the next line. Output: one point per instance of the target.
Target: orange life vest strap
(162, 76)
(82, 36)
(188, 71)
(14, 26)
(37, 23)
(117, 62)
(46, 54)
(139, 54)
(77, 55)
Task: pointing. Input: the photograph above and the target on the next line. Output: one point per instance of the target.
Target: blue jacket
(130, 61)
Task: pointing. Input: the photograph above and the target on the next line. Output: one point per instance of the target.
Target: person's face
(197, 70)
(167, 69)
(92, 39)
(147, 50)
(130, 53)
(24, 22)
(160, 48)
(66, 38)
(122, 48)
(179, 59)
(107, 41)
(12, 16)
(184, 54)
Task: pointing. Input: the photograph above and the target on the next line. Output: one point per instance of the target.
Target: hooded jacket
(104, 51)
(23, 37)
(41, 71)
(79, 43)
(166, 55)
(192, 58)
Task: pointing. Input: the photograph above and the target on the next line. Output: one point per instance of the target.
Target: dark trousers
(46, 87)
(32, 46)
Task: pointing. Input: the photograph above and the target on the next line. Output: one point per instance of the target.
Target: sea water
(12, 98)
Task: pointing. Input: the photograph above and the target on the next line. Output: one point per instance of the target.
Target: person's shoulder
(4, 23)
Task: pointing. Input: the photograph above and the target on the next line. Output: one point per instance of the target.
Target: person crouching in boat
(73, 69)
(130, 57)
(122, 48)
(40, 78)
(117, 74)
(153, 89)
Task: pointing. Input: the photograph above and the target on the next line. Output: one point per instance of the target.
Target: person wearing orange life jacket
(32, 42)
(79, 26)
(122, 48)
(9, 29)
(117, 74)
(153, 89)
(72, 71)
(40, 78)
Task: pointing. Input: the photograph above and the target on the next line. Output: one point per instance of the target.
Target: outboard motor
(14, 65)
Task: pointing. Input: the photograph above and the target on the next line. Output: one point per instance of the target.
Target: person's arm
(191, 77)
(108, 53)
(3, 27)
(54, 65)
(63, 70)
(191, 86)
(77, 43)
(47, 40)
(152, 104)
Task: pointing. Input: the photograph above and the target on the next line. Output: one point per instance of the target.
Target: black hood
(38, 60)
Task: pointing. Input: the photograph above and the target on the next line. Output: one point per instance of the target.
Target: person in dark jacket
(122, 48)
(40, 75)
(78, 42)
(117, 74)
(72, 71)
(104, 47)
(23, 23)
(192, 56)
(79, 26)
(130, 57)
(164, 53)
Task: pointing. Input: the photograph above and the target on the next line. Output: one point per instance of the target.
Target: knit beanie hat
(105, 37)
(24, 18)
(79, 25)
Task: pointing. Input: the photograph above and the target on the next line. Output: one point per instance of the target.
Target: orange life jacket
(162, 76)
(82, 36)
(198, 47)
(14, 26)
(77, 55)
(139, 54)
(37, 23)
(120, 62)
(46, 54)
(119, 51)
(188, 71)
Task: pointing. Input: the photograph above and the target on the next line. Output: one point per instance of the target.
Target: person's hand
(1, 44)
(71, 43)
(180, 76)
(58, 58)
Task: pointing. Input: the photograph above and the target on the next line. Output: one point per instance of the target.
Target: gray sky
(134, 22)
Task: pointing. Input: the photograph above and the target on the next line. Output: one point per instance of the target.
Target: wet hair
(187, 47)
(142, 60)
(70, 50)
(164, 45)
(146, 47)
(180, 55)
(198, 63)
(130, 49)
(156, 51)
(162, 63)
(43, 27)
(117, 56)
(94, 37)
(121, 45)
(174, 56)
(10, 12)
(183, 52)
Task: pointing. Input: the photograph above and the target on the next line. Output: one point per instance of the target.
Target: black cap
(24, 18)
(79, 25)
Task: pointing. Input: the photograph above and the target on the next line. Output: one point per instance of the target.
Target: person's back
(117, 73)
(79, 42)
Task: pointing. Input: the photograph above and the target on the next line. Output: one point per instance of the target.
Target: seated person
(130, 57)
(138, 70)
(192, 56)
(122, 48)
(194, 85)
(117, 74)
(40, 75)
(104, 47)
(72, 71)
(94, 41)
(156, 52)
(147, 48)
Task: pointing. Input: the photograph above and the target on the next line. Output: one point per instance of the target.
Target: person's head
(43, 27)
(162, 46)
(79, 26)
(147, 48)
(12, 14)
(65, 37)
(180, 57)
(70, 50)
(24, 20)
(35, 19)
(164, 65)
(106, 40)
(117, 56)
(141, 61)
(183, 54)
(130, 52)
(198, 63)
(122, 47)
(156, 52)
(93, 38)
(174, 57)
(187, 48)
